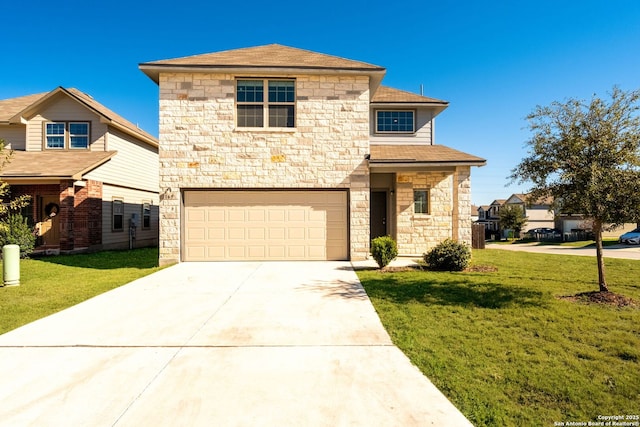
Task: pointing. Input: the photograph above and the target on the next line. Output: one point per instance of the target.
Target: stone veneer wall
(449, 211)
(200, 146)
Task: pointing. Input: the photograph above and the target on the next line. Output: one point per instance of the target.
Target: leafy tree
(512, 218)
(12, 225)
(586, 155)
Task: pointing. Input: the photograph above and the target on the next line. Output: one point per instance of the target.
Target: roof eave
(400, 164)
(437, 107)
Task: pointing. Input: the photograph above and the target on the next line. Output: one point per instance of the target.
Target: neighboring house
(89, 172)
(492, 216)
(539, 213)
(274, 152)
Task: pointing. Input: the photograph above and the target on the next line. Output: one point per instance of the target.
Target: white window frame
(427, 209)
(146, 213)
(85, 135)
(66, 135)
(265, 103)
(395, 132)
(47, 135)
(114, 202)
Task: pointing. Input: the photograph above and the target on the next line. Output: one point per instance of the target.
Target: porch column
(66, 215)
(461, 215)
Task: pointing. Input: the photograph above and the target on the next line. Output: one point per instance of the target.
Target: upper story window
(65, 135)
(395, 121)
(277, 109)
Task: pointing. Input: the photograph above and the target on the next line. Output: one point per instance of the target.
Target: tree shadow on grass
(453, 293)
(142, 258)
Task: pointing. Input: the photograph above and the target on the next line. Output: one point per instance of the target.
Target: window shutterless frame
(117, 214)
(421, 201)
(265, 103)
(146, 215)
(395, 121)
(66, 135)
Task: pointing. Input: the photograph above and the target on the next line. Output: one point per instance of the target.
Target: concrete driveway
(228, 344)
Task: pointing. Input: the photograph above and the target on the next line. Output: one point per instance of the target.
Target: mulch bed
(606, 298)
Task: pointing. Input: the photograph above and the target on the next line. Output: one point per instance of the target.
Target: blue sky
(493, 61)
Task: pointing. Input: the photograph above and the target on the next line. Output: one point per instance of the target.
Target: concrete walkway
(218, 344)
(615, 251)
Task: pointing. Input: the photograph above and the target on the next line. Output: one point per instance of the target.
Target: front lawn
(505, 349)
(51, 284)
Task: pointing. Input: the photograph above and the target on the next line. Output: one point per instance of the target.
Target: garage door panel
(265, 225)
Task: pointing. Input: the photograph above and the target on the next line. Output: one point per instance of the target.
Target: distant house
(492, 216)
(539, 213)
(273, 152)
(90, 172)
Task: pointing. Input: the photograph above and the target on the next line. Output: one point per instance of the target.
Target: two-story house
(90, 172)
(539, 213)
(274, 152)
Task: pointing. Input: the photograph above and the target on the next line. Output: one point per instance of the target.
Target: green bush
(15, 230)
(449, 255)
(384, 250)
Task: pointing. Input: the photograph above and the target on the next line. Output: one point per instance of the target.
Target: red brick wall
(80, 215)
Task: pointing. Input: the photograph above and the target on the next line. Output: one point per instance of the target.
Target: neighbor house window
(146, 215)
(395, 122)
(63, 135)
(55, 135)
(421, 201)
(117, 213)
(277, 109)
(78, 135)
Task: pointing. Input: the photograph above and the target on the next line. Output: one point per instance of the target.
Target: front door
(378, 214)
(49, 225)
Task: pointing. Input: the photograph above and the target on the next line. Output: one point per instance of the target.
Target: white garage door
(265, 225)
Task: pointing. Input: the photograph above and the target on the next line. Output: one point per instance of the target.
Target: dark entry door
(378, 214)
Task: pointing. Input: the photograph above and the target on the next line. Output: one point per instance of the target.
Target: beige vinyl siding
(64, 109)
(133, 200)
(423, 122)
(135, 165)
(14, 136)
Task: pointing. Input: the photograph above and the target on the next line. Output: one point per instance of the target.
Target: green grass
(505, 350)
(51, 284)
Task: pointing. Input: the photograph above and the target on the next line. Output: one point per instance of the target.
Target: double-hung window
(421, 201)
(66, 135)
(117, 215)
(146, 215)
(275, 109)
(395, 121)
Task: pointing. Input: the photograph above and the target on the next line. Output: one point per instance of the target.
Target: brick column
(66, 215)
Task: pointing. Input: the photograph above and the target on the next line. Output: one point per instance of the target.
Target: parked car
(631, 237)
(543, 233)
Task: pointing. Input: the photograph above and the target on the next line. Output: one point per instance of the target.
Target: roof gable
(272, 55)
(272, 59)
(15, 110)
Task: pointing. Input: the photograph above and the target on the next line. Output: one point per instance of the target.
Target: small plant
(384, 250)
(448, 255)
(15, 230)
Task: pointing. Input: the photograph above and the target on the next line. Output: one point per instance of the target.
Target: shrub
(449, 255)
(384, 250)
(15, 230)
